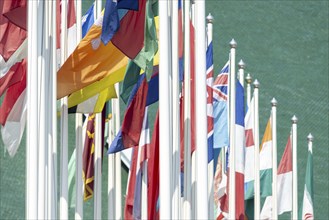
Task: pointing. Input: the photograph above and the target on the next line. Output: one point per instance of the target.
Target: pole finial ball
(233, 43)
(248, 79)
(294, 119)
(256, 84)
(274, 102)
(210, 18)
(241, 64)
(310, 137)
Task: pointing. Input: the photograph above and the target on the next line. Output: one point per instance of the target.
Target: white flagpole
(201, 111)
(274, 161)
(32, 116)
(64, 123)
(256, 152)
(78, 135)
(242, 66)
(294, 169)
(165, 177)
(187, 114)
(210, 20)
(111, 173)
(52, 150)
(175, 113)
(233, 45)
(118, 206)
(248, 81)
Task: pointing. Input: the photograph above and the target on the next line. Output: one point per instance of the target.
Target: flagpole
(64, 123)
(175, 113)
(78, 134)
(165, 178)
(248, 81)
(117, 156)
(201, 111)
(274, 162)
(187, 113)
(242, 66)
(294, 169)
(256, 152)
(111, 173)
(32, 116)
(233, 45)
(210, 20)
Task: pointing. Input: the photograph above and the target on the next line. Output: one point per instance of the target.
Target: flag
(284, 185)
(129, 81)
(239, 158)
(111, 20)
(134, 202)
(88, 20)
(153, 173)
(307, 210)
(210, 117)
(14, 75)
(129, 134)
(220, 111)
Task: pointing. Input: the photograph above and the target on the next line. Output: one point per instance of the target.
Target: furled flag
(239, 158)
(134, 198)
(307, 211)
(210, 117)
(220, 111)
(130, 131)
(111, 22)
(284, 186)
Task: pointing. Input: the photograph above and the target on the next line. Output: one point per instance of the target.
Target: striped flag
(284, 185)
(307, 205)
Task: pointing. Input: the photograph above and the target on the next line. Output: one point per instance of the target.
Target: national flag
(153, 173)
(210, 116)
(14, 75)
(284, 185)
(111, 20)
(220, 111)
(307, 209)
(239, 158)
(88, 20)
(134, 196)
(130, 131)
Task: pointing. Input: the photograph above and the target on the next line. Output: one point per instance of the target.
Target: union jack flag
(210, 117)
(220, 86)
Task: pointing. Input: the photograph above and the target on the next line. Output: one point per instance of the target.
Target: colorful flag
(220, 111)
(111, 20)
(88, 20)
(284, 186)
(307, 209)
(210, 116)
(14, 75)
(130, 131)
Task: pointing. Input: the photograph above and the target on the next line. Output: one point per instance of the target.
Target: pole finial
(210, 18)
(241, 64)
(233, 43)
(294, 119)
(256, 84)
(310, 137)
(248, 79)
(274, 102)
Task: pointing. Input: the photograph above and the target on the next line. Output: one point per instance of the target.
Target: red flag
(13, 76)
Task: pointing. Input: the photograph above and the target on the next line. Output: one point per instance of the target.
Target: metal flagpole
(117, 156)
(111, 173)
(274, 161)
(233, 45)
(32, 116)
(242, 66)
(248, 81)
(210, 20)
(78, 134)
(175, 113)
(256, 151)
(64, 123)
(294, 169)
(201, 112)
(165, 177)
(187, 114)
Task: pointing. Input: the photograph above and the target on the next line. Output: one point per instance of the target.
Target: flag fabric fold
(210, 116)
